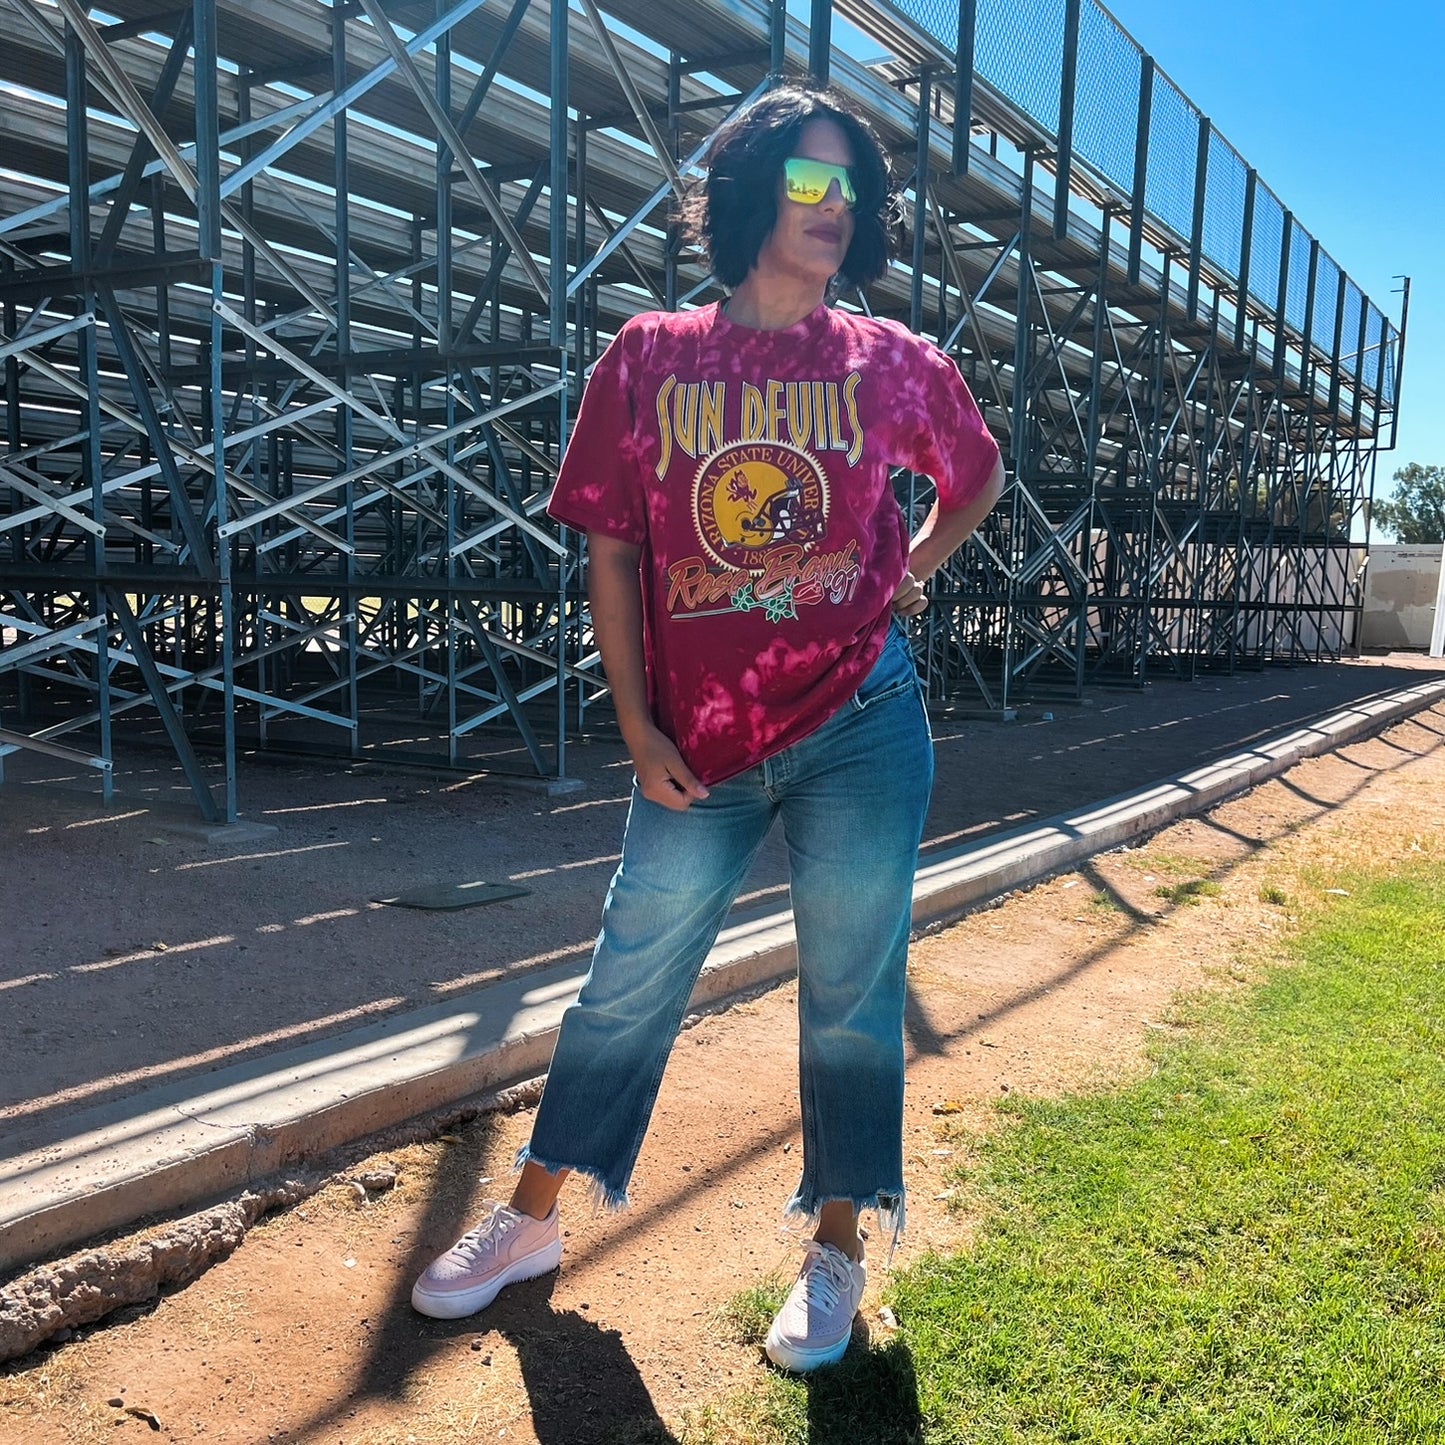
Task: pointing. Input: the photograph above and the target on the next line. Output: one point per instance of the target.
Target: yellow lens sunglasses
(808, 181)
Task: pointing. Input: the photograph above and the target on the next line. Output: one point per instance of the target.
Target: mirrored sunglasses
(808, 181)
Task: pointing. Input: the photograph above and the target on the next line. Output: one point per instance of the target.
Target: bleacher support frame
(296, 299)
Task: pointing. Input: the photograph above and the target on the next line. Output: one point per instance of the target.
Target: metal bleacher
(364, 253)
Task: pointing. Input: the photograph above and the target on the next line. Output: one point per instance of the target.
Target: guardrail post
(1196, 239)
(1246, 250)
(920, 195)
(1336, 359)
(820, 40)
(963, 84)
(1307, 346)
(1141, 165)
(1280, 324)
(557, 180)
(1068, 78)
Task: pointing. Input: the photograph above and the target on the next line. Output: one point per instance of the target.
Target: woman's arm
(614, 589)
(943, 532)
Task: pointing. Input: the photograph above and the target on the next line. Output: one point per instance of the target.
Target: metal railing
(1199, 193)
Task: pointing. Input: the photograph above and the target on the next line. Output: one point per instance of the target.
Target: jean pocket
(893, 675)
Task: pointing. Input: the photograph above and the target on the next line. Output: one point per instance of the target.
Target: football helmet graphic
(756, 504)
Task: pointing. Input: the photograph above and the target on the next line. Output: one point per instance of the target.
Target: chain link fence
(1369, 371)
(1388, 389)
(1173, 143)
(1226, 182)
(1107, 94)
(938, 17)
(1019, 51)
(1327, 301)
(1296, 309)
(1266, 246)
(1350, 340)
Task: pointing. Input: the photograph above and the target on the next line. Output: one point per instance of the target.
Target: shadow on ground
(872, 1396)
(285, 944)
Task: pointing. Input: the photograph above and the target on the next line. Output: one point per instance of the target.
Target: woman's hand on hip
(662, 775)
(910, 599)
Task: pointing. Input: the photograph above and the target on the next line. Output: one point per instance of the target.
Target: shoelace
(828, 1279)
(475, 1242)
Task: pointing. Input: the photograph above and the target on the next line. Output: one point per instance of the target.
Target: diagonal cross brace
(285, 505)
(969, 303)
(133, 105)
(199, 457)
(134, 168)
(101, 189)
(185, 518)
(458, 147)
(503, 683)
(634, 97)
(329, 105)
(24, 343)
(161, 700)
(620, 235)
(409, 445)
(56, 506)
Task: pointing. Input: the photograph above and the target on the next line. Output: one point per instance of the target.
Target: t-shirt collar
(806, 326)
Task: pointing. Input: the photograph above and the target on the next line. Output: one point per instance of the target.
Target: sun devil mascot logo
(751, 496)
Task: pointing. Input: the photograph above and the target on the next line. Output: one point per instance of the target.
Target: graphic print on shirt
(760, 505)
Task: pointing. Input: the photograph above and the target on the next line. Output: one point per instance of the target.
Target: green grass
(1167, 865)
(871, 1398)
(747, 1315)
(1245, 1248)
(1190, 892)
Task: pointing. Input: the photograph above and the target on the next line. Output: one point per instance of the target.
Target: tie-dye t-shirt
(753, 469)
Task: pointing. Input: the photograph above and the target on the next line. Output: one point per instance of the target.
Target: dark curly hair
(733, 209)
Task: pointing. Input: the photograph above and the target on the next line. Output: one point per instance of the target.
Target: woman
(748, 564)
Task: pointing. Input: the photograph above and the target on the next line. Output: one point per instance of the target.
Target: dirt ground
(304, 1334)
(136, 956)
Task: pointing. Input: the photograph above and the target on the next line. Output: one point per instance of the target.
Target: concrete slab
(182, 1145)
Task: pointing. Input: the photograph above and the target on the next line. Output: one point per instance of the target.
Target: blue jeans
(852, 797)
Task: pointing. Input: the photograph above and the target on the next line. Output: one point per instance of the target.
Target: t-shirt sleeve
(952, 445)
(599, 486)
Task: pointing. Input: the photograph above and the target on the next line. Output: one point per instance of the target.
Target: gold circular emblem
(749, 497)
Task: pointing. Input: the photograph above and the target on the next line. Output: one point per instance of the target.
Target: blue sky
(1339, 108)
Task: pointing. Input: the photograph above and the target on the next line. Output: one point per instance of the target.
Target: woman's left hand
(910, 599)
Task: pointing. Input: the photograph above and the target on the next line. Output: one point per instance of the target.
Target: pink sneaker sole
(800, 1359)
(455, 1304)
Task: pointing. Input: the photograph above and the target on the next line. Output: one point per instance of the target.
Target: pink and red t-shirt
(753, 469)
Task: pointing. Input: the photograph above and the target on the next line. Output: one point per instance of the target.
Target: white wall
(1404, 607)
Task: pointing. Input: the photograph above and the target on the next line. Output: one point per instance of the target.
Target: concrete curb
(187, 1144)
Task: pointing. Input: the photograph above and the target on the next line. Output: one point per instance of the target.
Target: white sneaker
(504, 1248)
(816, 1321)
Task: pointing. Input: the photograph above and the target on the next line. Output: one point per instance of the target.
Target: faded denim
(852, 797)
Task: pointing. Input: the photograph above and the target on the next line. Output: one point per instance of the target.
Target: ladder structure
(297, 297)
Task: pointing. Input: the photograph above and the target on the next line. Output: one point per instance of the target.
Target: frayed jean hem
(888, 1205)
(604, 1197)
